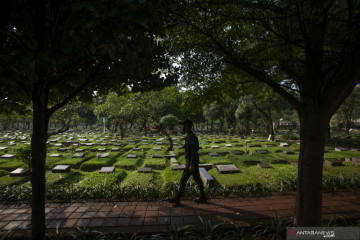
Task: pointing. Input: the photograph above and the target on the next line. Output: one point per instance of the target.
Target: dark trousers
(185, 177)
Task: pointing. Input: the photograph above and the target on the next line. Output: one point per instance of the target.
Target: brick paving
(151, 217)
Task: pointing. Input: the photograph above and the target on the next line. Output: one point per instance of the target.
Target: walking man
(192, 164)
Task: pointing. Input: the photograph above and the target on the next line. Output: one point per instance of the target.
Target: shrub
(24, 154)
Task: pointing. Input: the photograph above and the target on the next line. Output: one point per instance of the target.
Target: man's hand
(192, 168)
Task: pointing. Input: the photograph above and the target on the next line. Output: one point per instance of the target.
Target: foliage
(24, 154)
(169, 121)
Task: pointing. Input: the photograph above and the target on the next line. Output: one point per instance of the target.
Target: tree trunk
(270, 124)
(38, 156)
(167, 134)
(313, 129)
(347, 128)
(212, 125)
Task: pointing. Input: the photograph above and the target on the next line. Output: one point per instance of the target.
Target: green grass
(12, 165)
(9, 181)
(143, 179)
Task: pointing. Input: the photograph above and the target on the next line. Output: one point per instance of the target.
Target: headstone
(102, 155)
(55, 155)
(157, 148)
(355, 149)
(79, 150)
(11, 144)
(103, 144)
(2, 148)
(132, 143)
(113, 140)
(260, 140)
(269, 145)
(355, 160)
(333, 162)
(206, 178)
(264, 165)
(213, 154)
(78, 155)
(157, 155)
(288, 152)
(82, 139)
(296, 164)
(238, 152)
(261, 151)
(58, 145)
(205, 143)
(89, 144)
(340, 149)
(216, 141)
(215, 146)
(136, 149)
(131, 156)
(62, 149)
(251, 145)
(178, 167)
(175, 143)
(144, 170)
(247, 141)
(61, 169)
(107, 170)
(7, 156)
(20, 172)
(230, 168)
(284, 144)
(102, 150)
(228, 145)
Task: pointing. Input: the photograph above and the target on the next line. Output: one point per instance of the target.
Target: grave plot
(138, 179)
(12, 165)
(128, 161)
(107, 170)
(96, 179)
(73, 162)
(155, 163)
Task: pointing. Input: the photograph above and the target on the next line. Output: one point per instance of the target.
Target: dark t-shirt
(192, 149)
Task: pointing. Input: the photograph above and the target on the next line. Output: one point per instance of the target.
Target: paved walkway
(147, 217)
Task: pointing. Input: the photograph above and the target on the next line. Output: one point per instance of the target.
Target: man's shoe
(200, 200)
(174, 200)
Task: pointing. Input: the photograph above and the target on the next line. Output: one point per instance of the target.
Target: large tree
(52, 51)
(307, 51)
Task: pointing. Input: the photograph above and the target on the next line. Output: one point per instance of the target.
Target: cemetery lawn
(128, 155)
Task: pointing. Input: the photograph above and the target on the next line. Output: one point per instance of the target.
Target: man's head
(187, 125)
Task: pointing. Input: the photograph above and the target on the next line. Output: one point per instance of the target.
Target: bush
(24, 154)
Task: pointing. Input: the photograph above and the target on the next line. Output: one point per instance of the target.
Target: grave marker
(284, 144)
(178, 167)
(261, 151)
(131, 156)
(340, 149)
(101, 150)
(79, 150)
(61, 169)
(238, 152)
(157, 148)
(20, 172)
(107, 170)
(144, 170)
(102, 155)
(206, 178)
(264, 165)
(213, 154)
(55, 155)
(157, 155)
(230, 168)
(78, 155)
(215, 146)
(228, 145)
(7, 156)
(333, 162)
(288, 152)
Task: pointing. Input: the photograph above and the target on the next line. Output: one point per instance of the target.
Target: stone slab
(288, 152)
(62, 149)
(101, 150)
(262, 151)
(144, 170)
(79, 150)
(61, 169)
(229, 168)
(136, 149)
(207, 166)
(340, 149)
(206, 178)
(157, 148)
(7, 156)
(228, 145)
(269, 145)
(213, 154)
(238, 152)
(333, 162)
(102, 155)
(157, 155)
(215, 146)
(180, 147)
(19, 172)
(264, 165)
(107, 170)
(56, 155)
(178, 167)
(78, 155)
(131, 156)
(115, 149)
(58, 145)
(284, 144)
(2, 148)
